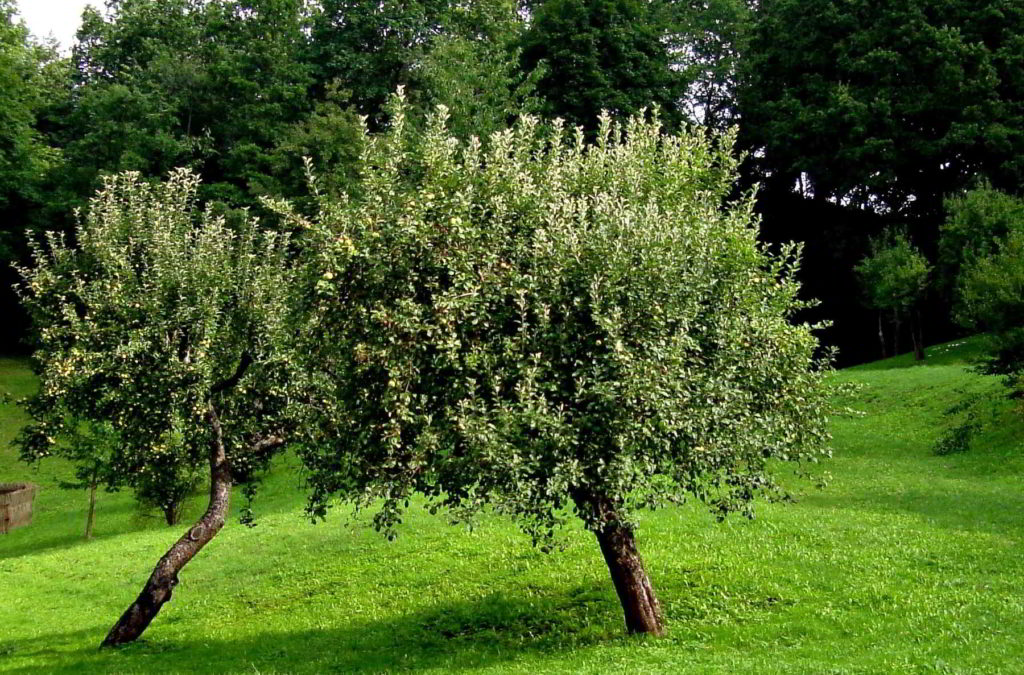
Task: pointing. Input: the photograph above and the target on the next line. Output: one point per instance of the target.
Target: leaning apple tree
(171, 327)
(543, 325)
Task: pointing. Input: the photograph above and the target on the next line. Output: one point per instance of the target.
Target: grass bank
(906, 562)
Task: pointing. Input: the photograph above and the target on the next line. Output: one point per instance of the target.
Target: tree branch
(266, 445)
(243, 365)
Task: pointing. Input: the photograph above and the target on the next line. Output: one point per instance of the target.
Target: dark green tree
(885, 105)
(708, 41)
(26, 157)
(992, 300)
(603, 55)
(981, 256)
(976, 222)
(474, 70)
(894, 278)
(209, 85)
(371, 48)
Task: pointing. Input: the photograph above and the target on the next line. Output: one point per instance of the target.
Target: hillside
(906, 562)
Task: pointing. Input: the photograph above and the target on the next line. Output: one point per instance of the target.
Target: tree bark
(172, 513)
(90, 519)
(918, 351)
(164, 578)
(633, 586)
(881, 335)
(896, 333)
(916, 330)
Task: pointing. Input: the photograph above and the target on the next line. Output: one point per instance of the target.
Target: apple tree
(170, 327)
(546, 326)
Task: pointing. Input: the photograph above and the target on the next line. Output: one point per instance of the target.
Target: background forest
(854, 117)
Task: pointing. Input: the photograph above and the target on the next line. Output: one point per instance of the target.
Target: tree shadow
(974, 509)
(25, 542)
(450, 636)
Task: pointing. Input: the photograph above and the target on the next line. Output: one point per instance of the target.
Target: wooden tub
(15, 505)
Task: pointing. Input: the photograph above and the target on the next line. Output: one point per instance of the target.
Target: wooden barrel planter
(15, 505)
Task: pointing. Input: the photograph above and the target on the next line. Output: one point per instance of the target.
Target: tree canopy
(540, 324)
(887, 106)
(602, 55)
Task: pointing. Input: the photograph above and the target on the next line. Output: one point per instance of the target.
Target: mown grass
(906, 562)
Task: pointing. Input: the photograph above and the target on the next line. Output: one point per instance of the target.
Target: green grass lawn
(907, 562)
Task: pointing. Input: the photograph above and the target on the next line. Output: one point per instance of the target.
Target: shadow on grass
(976, 510)
(485, 632)
(25, 541)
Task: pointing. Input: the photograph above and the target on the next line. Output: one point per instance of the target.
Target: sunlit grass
(906, 562)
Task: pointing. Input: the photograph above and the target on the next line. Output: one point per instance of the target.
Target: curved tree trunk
(633, 586)
(164, 578)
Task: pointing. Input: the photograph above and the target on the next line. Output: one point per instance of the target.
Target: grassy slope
(907, 562)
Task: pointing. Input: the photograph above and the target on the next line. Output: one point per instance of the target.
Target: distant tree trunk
(633, 586)
(164, 578)
(896, 332)
(172, 513)
(918, 351)
(918, 335)
(90, 519)
(881, 335)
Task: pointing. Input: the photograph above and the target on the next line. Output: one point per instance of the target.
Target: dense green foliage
(877, 109)
(976, 221)
(26, 73)
(992, 299)
(159, 319)
(902, 544)
(602, 55)
(24, 156)
(489, 313)
(886, 105)
(210, 85)
(980, 257)
(708, 39)
(474, 70)
(538, 323)
(895, 275)
(371, 49)
(895, 279)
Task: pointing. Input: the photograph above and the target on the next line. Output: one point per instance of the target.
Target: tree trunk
(164, 578)
(881, 335)
(633, 586)
(921, 336)
(896, 333)
(90, 519)
(918, 336)
(172, 513)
